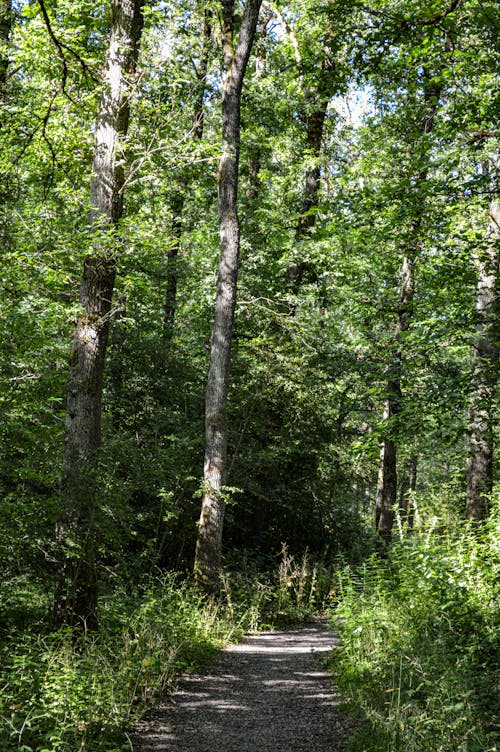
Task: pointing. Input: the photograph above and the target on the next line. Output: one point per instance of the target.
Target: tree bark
(387, 483)
(6, 20)
(480, 440)
(209, 541)
(75, 600)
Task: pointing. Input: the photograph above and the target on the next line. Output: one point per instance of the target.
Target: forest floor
(270, 693)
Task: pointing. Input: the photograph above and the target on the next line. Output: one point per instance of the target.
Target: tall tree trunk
(5, 29)
(75, 600)
(407, 489)
(6, 19)
(255, 148)
(480, 443)
(176, 207)
(387, 483)
(180, 194)
(209, 542)
(387, 478)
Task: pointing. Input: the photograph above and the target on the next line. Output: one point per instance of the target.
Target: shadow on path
(270, 693)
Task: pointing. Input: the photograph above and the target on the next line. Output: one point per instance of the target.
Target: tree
(480, 435)
(75, 600)
(328, 79)
(5, 27)
(209, 541)
(424, 100)
(178, 201)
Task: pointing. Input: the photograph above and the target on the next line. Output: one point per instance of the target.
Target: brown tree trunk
(407, 491)
(5, 29)
(6, 18)
(180, 195)
(177, 207)
(75, 600)
(209, 542)
(387, 479)
(480, 442)
(387, 483)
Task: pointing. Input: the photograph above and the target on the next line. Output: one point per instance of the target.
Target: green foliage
(260, 595)
(418, 660)
(62, 692)
(309, 365)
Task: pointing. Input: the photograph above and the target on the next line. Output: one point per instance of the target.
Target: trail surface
(269, 693)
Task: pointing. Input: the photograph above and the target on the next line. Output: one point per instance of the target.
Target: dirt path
(270, 693)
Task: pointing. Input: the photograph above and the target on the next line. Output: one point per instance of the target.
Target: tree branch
(60, 47)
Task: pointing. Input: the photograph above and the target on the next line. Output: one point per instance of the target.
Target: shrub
(419, 644)
(62, 694)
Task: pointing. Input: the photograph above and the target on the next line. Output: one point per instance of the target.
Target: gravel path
(269, 693)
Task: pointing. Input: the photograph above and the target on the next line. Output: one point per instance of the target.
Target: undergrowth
(60, 693)
(418, 662)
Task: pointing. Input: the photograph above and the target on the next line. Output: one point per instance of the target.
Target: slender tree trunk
(317, 100)
(6, 18)
(411, 500)
(407, 488)
(75, 599)
(209, 542)
(180, 195)
(254, 148)
(315, 123)
(386, 485)
(387, 479)
(5, 29)
(480, 442)
(177, 207)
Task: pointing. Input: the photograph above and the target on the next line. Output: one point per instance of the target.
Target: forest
(249, 349)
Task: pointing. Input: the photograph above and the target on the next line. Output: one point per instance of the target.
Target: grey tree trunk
(386, 499)
(75, 600)
(209, 541)
(480, 438)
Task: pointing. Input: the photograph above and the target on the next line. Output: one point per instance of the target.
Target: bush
(419, 644)
(260, 594)
(63, 693)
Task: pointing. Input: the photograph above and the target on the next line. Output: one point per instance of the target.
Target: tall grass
(288, 591)
(65, 695)
(59, 694)
(418, 662)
